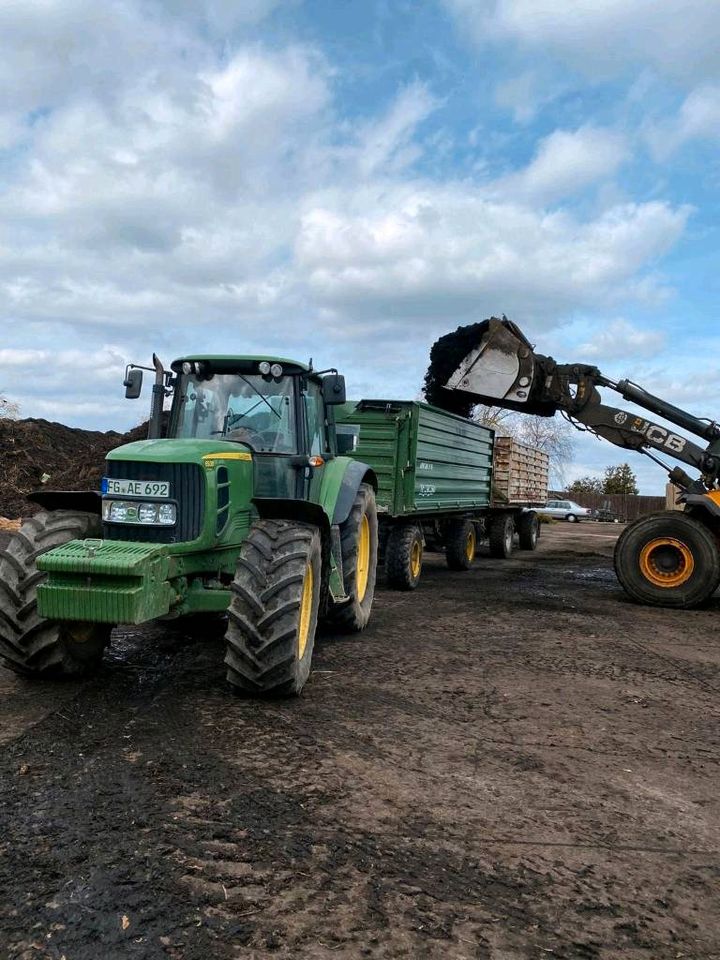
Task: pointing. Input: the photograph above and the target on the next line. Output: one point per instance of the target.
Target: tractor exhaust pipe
(158, 400)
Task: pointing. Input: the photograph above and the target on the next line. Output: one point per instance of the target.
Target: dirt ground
(514, 762)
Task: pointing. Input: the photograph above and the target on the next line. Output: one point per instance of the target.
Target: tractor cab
(276, 408)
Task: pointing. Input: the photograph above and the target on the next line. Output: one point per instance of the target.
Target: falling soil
(445, 357)
(514, 762)
(449, 351)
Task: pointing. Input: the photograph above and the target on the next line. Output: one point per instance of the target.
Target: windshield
(247, 408)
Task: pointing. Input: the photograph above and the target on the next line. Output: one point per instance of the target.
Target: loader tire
(501, 528)
(528, 531)
(29, 644)
(404, 556)
(460, 544)
(273, 612)
(668, 559)
(359, 546)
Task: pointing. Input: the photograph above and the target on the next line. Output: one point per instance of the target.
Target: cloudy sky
(348, 180)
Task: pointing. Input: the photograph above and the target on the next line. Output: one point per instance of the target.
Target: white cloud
(566, 162)
(525, 93)
(174, 192)
(420, 250)
(621, 340)
(698, 118)
(222, 16)
(603, 38)
(387, 143)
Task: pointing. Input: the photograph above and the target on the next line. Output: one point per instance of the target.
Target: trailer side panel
(520, 473)
(428, 461)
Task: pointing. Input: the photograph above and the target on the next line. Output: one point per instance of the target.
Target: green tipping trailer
(436, 485)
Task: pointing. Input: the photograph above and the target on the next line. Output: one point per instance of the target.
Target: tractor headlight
(147, 513)
(276, 370)
(264, 367)
(167, 514)
(130, 511)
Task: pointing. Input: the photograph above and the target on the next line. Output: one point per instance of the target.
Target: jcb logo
(658, 436)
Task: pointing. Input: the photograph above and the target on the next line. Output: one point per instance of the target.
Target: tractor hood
(181, 451)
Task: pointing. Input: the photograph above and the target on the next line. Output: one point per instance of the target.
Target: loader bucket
(491, 363)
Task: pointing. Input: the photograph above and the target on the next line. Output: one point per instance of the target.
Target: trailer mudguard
(85, 501)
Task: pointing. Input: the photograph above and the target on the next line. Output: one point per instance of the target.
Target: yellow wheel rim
(470, 545)
(362, 571)
(666, 562)
(416, 559)
(306, 602)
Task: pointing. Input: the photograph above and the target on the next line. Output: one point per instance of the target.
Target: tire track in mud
(364, 819)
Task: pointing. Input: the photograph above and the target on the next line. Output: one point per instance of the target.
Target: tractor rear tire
(403, 556)
(29, 644)
(359, 545)
(501, 529)
(528, 531)
(668, 559)
(273, 612)
(460, 544)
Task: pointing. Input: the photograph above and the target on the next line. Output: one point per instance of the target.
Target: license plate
(136, 488)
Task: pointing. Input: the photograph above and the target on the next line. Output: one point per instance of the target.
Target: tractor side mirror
(333, 389)
(133, 383)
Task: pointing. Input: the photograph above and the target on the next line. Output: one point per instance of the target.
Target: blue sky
(349, 181)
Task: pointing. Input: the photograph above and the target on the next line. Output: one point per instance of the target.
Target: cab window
(253, 410)
(315, 419)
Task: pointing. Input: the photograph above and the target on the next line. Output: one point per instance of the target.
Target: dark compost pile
(38, 454)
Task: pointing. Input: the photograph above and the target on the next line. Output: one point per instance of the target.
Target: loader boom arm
(502, 369)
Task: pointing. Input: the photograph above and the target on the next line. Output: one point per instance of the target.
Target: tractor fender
(277, 508)
(341, 484)
(84, 501)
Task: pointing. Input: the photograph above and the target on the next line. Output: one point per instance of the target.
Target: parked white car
(565, 510)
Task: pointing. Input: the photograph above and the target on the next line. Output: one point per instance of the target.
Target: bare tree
(8, 409)
(500, 420)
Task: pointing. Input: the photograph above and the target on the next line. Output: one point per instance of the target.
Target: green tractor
(240, 503)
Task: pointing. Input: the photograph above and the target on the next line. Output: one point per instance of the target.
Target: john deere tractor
(240, 502)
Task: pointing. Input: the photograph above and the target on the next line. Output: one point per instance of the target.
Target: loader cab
(277, 409)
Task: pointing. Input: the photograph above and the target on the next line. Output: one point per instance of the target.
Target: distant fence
(625, 506)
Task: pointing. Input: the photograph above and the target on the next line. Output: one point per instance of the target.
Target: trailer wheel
(31, 645)
(668, 559)
(359, 545)
(501, 528)
(528, 530)
(273, 612)
(404, 556)
(460, 544)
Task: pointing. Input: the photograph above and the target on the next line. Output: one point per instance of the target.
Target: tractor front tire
(359, 546)
(29, 644)
(273, 612)
(460, 544)
(501, 529)
(528, 531)
(668, 559)
(403, 556)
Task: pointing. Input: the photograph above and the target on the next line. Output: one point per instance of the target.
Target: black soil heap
(37, 454)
